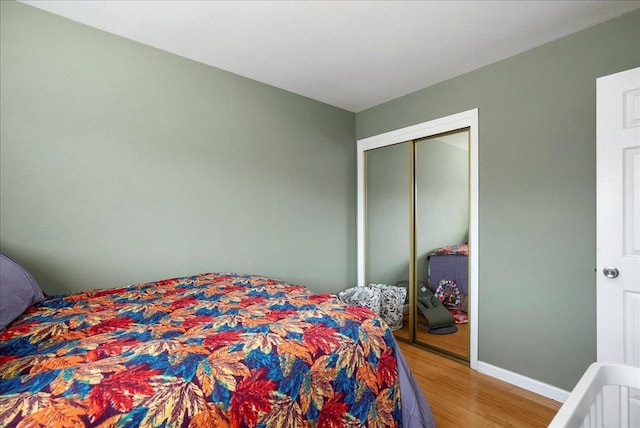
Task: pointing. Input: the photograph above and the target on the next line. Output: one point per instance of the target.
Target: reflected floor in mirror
(456, 343)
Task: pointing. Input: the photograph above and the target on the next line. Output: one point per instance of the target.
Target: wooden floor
(461, 397)
(456, 343)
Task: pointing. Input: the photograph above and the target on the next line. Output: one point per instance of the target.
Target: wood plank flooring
(461, 397)
(456, 343)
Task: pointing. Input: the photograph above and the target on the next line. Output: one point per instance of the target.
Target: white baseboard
(525, 382)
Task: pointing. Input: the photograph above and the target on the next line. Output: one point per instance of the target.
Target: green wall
(122, 163)
(387, 214)
(536, 193)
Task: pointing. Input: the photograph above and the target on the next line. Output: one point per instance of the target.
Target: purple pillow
(18, 291)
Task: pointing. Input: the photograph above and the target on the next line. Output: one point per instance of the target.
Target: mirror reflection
(441, 233)
(387, 218)
(417, 226)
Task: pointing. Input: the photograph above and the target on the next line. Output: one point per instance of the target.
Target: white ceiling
(350, 54)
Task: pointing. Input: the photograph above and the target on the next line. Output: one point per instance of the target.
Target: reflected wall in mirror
(387, 217)
(441, 233)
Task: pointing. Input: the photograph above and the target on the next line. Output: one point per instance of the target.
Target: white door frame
(466, 119)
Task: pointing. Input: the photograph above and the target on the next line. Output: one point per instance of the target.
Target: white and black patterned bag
(391, 303)
(362, 296)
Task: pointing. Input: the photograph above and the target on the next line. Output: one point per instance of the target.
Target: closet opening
(417, 229)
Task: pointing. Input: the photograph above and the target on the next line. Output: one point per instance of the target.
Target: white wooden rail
(604, 389)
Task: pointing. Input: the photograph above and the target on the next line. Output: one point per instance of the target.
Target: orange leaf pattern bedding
(206, 350)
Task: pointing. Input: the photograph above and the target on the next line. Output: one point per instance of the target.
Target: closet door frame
(466, 119)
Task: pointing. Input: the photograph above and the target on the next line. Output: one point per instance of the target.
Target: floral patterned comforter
(206, 350)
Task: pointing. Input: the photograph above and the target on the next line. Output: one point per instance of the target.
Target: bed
(206, 350)
(449, 263)
(449, 266)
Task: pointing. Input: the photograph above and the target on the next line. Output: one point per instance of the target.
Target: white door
(618, 220)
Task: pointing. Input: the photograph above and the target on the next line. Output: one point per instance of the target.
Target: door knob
(611, 272)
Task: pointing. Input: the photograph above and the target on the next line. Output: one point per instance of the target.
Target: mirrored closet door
(441, 234)
(416, 210)
(388, 236)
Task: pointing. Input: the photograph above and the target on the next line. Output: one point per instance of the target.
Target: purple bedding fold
(415, 410)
